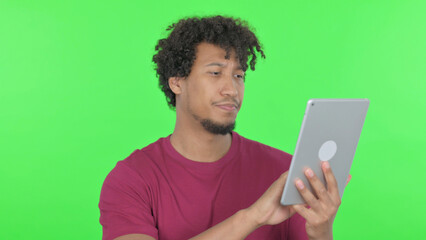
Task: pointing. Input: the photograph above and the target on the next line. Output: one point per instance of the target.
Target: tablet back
(330, 132)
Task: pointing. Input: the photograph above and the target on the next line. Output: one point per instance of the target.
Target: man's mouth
(227, 106)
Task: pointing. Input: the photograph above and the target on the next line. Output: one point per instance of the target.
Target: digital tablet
(330, 132)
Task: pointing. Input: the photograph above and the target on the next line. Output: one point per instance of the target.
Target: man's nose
(229, 87)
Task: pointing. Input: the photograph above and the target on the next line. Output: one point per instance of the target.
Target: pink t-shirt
(158, 192)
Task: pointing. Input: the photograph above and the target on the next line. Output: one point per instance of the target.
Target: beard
(217, 128)
(212, 126)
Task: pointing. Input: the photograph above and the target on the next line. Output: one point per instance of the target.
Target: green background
(78, 93)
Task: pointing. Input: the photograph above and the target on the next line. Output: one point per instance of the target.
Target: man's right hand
(267, 210)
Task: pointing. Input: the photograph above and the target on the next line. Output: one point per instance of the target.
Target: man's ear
(175, 84)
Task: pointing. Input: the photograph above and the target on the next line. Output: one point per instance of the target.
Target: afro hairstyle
(175, 54)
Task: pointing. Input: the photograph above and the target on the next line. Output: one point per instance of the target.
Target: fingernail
(326, 165)
(309, 172)
(299, 184)
(349, 178)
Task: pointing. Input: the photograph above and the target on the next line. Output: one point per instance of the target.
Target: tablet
(330, 132)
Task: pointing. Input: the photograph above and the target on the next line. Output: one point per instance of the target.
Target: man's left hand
(319, 211)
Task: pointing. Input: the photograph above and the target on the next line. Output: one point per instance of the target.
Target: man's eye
(215, 73)
(239, 76)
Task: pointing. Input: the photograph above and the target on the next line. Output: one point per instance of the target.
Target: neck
(199, 145)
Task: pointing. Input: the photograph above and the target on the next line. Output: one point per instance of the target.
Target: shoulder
(143, 158)
(262, 151)
(257, 147)
(140, 164)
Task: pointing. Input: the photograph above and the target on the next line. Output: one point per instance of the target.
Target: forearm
(320, 234)
(326, 236)
(330, 237)
(238, 226)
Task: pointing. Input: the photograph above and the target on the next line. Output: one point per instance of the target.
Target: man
(205, 181)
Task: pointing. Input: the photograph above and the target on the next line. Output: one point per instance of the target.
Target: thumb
(278, 185)
(281, 180)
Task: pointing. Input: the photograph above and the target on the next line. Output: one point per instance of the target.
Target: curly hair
(176, 53)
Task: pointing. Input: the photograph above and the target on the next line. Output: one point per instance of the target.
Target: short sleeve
(125, 205)
(296, 228)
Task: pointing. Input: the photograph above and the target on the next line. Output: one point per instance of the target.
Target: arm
(267, 210)
(135, 237)
(125, 206)
(238, 226)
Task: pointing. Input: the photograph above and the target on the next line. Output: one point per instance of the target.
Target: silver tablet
(330, 132)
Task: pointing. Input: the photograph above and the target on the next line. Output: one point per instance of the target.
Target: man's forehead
(210, 54)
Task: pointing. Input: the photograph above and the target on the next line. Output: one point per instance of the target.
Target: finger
(307, 195)
(349, 179)
(317, 185)
(303, 211)
(331, 182)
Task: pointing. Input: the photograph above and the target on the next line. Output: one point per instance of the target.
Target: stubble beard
(217, 128)
(213, 127)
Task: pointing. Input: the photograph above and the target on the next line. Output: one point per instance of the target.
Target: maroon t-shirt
(158, 192)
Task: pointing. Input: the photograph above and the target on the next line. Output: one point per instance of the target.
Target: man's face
(213, 92)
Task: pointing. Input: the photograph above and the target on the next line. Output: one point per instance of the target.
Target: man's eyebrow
(221, 65)
(216, 64)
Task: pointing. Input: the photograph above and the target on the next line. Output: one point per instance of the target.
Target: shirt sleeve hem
(126, 232)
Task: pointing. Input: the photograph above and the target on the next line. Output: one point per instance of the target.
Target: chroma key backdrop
(78, 92)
